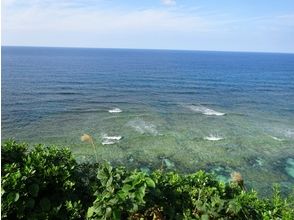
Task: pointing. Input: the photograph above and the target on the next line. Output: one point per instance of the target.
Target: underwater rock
(255, 161)
(222, 173)
(168, 163)
(290, 167)
(145, 170)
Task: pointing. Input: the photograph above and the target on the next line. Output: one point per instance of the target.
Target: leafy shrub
(47, 183)
(12, 152)
(120, 193)
(39, 184)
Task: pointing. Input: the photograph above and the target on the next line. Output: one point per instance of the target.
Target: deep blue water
(220, 111)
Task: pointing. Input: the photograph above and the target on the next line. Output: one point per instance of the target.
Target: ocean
(146, 109)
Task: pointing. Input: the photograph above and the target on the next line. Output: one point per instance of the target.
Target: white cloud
(59, 24)
(168, 2)
(100, 20)
(74, 23)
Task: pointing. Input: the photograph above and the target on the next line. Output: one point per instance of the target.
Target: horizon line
(158, 49)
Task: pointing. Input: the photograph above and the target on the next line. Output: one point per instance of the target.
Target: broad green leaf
(113, 201)
(126, 188)
(11, 197)
(205, 217)
(150, 182)
(2, 190)
(90, 212)
(140, 194)
(116, 215)
(122, 195)
(16, 197)
(135, 207)
(142, 190)
(108, 212)
(109, 181)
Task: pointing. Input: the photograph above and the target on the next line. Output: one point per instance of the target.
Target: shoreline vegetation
(48, 183)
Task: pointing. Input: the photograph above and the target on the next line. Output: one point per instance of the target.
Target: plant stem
(95, 151)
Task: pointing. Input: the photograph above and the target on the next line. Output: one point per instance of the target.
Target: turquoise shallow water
(183, 110)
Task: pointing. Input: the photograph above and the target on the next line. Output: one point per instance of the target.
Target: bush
(48, 183)
(38, 184)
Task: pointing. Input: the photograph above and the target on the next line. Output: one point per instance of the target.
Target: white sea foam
(284, 132)
(107, 140)
(277, 139)
(213, 138)
(143, 127)
(205, 111)
(115, 110)
(114, 138)
(289, 133)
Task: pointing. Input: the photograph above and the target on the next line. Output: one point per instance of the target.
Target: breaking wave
(143, 127)
(107, 140)
(276, 138)
(213, 138)
(205, 111)
(115, 110)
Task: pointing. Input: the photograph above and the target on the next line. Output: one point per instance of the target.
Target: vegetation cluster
(48, 183)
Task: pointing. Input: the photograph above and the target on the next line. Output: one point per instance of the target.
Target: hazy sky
(230, 25)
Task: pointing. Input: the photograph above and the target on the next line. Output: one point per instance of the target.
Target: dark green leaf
(34, 190)
(45, 204)
(31, 203)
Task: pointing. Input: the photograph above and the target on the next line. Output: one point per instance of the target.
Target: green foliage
(279, 208)
(37, 184)
(12, 152)
(120, 193)
(47, 183)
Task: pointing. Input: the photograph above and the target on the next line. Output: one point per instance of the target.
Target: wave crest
(115, 110)
(276, 138)
(107, 140)
(204, 110)
(212, 137)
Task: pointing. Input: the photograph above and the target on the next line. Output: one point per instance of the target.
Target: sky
(218, 25)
